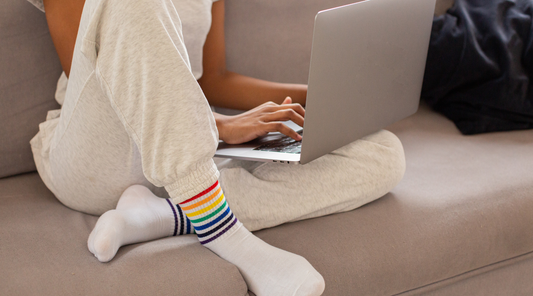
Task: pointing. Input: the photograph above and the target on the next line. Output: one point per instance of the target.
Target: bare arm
(63, 17)
(231, 90)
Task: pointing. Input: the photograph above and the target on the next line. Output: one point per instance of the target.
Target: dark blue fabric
(480, 65)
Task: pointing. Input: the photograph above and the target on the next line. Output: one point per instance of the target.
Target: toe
(313, 285)
(104, 249)
(105, 238)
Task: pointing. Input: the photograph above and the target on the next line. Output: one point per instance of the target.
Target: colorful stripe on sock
(209, 213)
(182, 225)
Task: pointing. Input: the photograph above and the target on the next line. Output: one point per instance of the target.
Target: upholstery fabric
(465, 204)
(509, 277)
(29, 69)
(260, 47)
(44, 252)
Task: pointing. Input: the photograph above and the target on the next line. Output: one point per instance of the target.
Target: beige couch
(459, 223)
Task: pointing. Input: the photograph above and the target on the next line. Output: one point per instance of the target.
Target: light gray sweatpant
(134, 114)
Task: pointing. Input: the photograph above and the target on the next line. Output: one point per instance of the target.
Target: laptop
(366, 72)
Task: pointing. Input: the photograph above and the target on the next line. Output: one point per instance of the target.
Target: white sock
(140, 216)
(268, 271)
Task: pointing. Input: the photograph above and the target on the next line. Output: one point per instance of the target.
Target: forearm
(235, 91)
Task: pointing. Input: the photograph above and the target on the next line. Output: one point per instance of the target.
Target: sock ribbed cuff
(209, 213)
(182, 223)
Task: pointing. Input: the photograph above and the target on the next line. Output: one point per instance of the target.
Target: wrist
(298, 93)
(220, 121)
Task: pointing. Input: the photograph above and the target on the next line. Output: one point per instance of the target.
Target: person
(135, 126)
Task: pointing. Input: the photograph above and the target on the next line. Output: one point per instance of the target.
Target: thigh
(92, 160)
(271, 194)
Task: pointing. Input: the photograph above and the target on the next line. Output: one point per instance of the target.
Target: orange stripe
(208, 208)
(203, 201)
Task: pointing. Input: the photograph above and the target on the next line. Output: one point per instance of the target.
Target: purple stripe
(175, 217)
(220, 233)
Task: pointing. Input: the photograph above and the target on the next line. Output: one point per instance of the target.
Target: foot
(140, 216)
(268, 270)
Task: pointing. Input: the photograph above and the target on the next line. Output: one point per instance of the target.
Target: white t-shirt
(195, 18)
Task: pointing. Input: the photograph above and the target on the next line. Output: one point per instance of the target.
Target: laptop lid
(366, 72)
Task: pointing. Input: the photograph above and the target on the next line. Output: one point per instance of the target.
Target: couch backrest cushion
(272, 39)
(29, 69)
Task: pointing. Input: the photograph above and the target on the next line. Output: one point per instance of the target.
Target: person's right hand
(259, 121)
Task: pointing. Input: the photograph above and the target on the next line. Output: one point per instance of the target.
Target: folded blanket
(480, 65)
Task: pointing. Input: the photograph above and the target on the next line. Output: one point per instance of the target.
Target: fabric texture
(265, 195)
(160, 94)
(29, 69)
(480, 65)
(196, 22)
(46, 241)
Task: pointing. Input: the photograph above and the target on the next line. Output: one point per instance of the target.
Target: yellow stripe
(203, 201)
(201, 211)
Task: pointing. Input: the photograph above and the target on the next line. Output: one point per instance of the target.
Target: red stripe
(201, 193)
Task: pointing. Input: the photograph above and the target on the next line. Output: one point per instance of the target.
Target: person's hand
(260, 121)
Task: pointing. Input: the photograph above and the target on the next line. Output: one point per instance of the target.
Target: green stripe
(210, 215)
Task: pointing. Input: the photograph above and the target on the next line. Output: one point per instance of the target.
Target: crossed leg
(134, 114)
(265, 195)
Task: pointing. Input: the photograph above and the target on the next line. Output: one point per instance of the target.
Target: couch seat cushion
(465, 202)
(43, 251)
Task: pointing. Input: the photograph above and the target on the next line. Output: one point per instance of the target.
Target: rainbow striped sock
(210, 214)
(182, 224)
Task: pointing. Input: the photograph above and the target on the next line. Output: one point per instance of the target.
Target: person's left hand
(260, 121)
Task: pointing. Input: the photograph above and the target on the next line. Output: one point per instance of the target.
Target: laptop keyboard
(285, 144)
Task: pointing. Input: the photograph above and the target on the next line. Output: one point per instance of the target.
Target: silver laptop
(367, 66)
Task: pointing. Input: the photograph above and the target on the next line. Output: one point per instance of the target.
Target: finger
(282, 128)
(284, 115)
(296, 107)
(267, 107)
(287, 100)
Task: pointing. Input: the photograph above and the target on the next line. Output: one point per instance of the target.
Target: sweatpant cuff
(205, 175)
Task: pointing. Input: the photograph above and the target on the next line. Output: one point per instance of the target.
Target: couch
(459, 223)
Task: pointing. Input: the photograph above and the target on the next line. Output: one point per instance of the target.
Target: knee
(390, 155)
(380, 156)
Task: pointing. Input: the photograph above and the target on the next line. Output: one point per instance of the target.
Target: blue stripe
(219, 226)
(226, 212)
